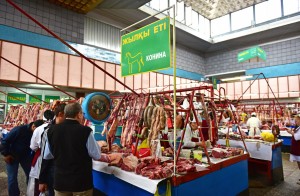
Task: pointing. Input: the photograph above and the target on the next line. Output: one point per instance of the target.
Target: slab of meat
(104, 158)
(129, 163)
(115, 159)
(219, 153)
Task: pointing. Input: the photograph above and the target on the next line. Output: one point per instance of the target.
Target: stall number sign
(146, 49)
(16, 98)
(50, 98)
(252, 53)
(214, 82)
(34, 99)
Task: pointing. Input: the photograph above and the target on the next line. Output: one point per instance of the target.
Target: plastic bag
(30, 187)
(158, 150)
(168, 190)
(144, 144)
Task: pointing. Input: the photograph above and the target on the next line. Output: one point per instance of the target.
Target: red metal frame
(188, 111)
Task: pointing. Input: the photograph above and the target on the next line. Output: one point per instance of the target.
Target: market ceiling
(216, 8)
(126, 13)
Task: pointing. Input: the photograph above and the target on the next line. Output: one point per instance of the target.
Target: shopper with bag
(16, 151)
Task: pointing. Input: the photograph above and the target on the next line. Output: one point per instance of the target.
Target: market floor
(288, 187)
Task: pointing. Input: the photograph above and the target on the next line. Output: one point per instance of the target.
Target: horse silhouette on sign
(138, 58)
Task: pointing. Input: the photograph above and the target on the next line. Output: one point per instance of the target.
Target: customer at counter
(46, 172)
(16, 152)
(295, 146)
(73, 147)
(254, 125)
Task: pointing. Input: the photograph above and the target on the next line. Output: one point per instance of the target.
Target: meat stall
(137, 159)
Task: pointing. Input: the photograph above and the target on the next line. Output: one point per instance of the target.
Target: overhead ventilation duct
(80, 6)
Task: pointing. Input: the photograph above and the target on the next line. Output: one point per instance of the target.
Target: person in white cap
(253, 125)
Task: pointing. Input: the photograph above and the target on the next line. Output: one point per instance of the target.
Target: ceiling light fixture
(236, 78)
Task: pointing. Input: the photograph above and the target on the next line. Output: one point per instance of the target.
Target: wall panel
(283, 87)
(255, 90)
(183, 83)
(263, 89)
(238, 90)
(45, 67)
(230, 90)
(11, 52)
(274, 85)
(29, 61)
(146, 82)
(99, 76)
(160, 81)
(87, 74)
(245, 85)
(294, 86)
(75, 71)
(167, 82)
(138, 83)
(129, 81)
(110, 83)
(153, 84)
(119, 87)
(178, 82)
(61, 66)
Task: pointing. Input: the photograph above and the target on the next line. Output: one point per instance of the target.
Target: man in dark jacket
(16, 151)
(46, 177)
(73, 147)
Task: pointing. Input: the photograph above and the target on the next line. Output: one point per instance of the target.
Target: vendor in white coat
(254, 125)
(187, 140)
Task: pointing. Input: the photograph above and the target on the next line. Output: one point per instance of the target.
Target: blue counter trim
(277, 70)
(227, 181)
(230, 180)
(276, 158)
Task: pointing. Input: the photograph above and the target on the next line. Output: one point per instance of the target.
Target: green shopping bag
(168, 191)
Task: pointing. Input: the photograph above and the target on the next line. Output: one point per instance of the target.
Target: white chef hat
(253, 114)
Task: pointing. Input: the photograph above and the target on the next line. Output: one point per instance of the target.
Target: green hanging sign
(50, 98)
(255, 52)
(35, 100)
(214, 82)
(146, 49)
(16, 98)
